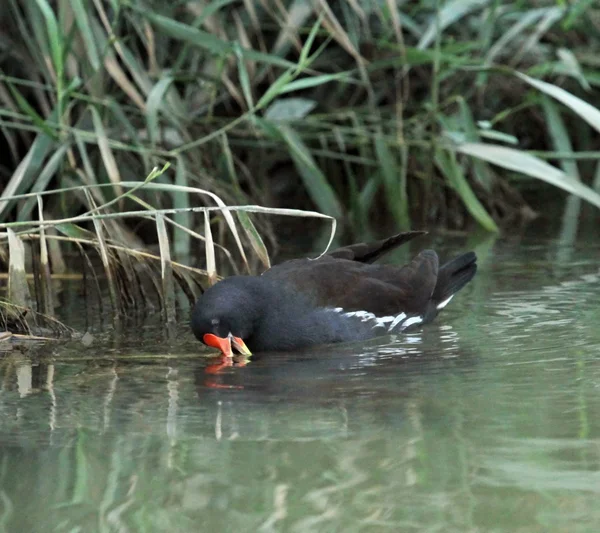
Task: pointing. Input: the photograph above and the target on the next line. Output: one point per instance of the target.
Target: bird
(342, 296)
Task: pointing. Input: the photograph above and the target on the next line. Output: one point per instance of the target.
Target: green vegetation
(425, 113)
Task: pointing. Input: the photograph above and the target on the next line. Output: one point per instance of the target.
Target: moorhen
(339, 297)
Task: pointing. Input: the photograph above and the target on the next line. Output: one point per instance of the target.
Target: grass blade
(447, 163)
(573, 67)
(85, 31)
(518, 28)
(181, 202)
(244, 76)
(47, 306)
(560, 137)
(28, 109)
(42, 181)
(308, 44)
(168, 284)
(110, 164)
(18, 289)
(208, 41)
(255, 239)
(452, 12)
(562, 143)
(209, 247)
(480, 169)
(315, 181)
(586, 111)
(24, 174)
(105, 257)
(57, 49)
(54, 35)
(521, 162)
(156, 99)
(315, 81)
(395, 190)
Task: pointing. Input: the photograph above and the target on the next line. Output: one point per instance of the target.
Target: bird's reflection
(335, 371)
(329, 392)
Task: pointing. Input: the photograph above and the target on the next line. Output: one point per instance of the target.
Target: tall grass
(366, 106)
(105, 251)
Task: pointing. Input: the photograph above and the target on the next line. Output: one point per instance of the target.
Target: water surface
(487, 421)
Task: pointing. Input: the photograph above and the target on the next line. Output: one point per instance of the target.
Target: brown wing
(353, 285)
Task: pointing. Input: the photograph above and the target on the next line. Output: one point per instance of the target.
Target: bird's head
(226, 314)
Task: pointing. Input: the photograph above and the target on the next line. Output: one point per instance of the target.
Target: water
(488, 421)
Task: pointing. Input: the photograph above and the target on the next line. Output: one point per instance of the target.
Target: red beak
(224, 344)
(219, 343)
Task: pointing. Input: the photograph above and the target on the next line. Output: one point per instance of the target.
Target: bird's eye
(215, 322)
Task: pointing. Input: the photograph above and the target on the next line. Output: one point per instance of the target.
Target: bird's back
(346, 278)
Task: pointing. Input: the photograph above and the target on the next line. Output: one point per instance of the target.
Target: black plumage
(340, 297)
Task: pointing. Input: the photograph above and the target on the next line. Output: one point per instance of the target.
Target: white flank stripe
(397, 321)
(363, 315)
(383, 321)
(443, 304)
(413, 320)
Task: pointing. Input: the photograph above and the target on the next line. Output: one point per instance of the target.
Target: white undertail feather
(443, 304)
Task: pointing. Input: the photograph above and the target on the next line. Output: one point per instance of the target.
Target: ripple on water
(487, 420)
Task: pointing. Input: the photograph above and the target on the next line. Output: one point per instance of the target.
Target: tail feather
(452, 277)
